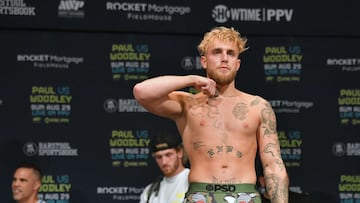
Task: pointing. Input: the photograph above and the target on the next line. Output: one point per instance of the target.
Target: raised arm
(276, 178)
(159, 95)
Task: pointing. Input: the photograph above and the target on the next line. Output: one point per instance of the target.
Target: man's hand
(206, 85)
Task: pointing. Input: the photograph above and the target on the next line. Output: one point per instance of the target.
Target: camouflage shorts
(222, 193)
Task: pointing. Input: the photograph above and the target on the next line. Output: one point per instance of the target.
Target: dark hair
(30, 165)
(164, 141)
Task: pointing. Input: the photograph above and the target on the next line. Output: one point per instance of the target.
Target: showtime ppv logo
(222, 14)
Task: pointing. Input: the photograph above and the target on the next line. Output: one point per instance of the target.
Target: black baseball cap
(164, 141)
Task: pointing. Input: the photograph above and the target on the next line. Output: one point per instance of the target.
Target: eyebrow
(220, 49)
(21, 179)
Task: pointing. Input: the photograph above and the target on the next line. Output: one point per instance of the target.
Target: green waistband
(211, 187)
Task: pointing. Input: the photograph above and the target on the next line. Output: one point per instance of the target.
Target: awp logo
(74, 5)
(71, 8)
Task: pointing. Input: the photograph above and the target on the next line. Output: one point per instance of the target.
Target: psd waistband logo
(222, 188)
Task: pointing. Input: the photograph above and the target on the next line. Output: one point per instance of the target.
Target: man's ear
(203, 62)
(37, 185)
(238, 64)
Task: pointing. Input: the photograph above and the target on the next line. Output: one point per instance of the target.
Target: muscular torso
(219, 135)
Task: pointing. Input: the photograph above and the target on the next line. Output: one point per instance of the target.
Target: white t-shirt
(172, 190)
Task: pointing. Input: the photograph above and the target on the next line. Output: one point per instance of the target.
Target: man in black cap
(169, 155)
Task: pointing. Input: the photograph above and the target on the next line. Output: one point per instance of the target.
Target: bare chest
(223, 115)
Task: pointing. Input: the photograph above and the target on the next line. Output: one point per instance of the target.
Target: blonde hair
(224, 34)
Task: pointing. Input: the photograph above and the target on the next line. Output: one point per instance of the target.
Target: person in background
(222, 127)
(26, 183)
(170, 157)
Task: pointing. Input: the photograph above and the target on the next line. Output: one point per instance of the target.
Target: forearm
(161, 86)
(277, 186)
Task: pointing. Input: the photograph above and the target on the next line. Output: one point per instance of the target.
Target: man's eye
(217, 51)
(170, 154)
(231, 53)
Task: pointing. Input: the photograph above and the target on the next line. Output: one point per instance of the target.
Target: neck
(178, 170)
(226, 93)
(31, 200)
(226, 90)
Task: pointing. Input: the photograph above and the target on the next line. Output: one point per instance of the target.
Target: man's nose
(224, 57)
(164, 160)
(15, 183)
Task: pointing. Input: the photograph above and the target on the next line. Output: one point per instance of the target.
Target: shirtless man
(222, 128)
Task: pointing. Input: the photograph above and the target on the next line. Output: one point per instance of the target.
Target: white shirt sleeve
(144, 194)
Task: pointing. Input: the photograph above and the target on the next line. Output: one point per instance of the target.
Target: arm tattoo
(269, 149)
(268, 120)
(275, 153)
(255, 102)
(278, 192)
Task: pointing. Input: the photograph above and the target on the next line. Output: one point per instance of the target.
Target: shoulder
(147, 188)
(186, 171)
(144, 193)
(254, 100)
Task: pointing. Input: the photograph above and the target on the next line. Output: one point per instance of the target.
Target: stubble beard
(170, 171)
(222, 79)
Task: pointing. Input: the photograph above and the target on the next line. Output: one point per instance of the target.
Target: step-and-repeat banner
(68, 68)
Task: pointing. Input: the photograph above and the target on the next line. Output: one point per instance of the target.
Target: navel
(224, 166)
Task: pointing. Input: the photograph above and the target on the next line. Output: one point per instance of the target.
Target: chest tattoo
(240, 110)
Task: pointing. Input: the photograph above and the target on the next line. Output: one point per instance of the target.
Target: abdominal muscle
(223, 169)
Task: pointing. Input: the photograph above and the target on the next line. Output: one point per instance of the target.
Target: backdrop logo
(30, 149)
(222, 14)
(148, 12)
(16, 8)
(287, 106)
(123, 105)
(349, 106)
(130, 61)
(129, 148)
(339, 149)
(282, 63)
(191, 63)
(49, 149)
(55, 188)
(71, 8)
(110, 105)
(122, 193)
(344, 64)
(50, 104)
(49, 60)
